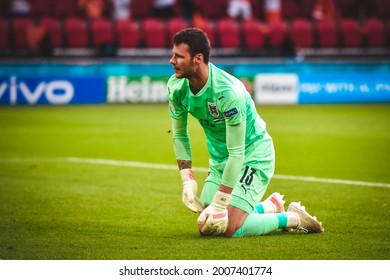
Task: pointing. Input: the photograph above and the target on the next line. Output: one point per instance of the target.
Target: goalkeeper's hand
(215, 217)
(190, 187)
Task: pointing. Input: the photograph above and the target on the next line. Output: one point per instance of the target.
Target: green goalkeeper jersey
(223, 101)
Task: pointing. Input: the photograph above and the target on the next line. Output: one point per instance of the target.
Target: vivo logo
(55, 92)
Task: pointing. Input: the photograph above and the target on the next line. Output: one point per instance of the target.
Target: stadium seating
(52, 27)
(154, 35)
(351, 34)
(228, 33)
(301, 33)
(253, 34)
(76, 33)
(326, 34)
(387, 28)
(67, 28)
(375, 33)
(101, 32)
(127, 34)
(19, 32)
(4, 34)
(277, 34)
(174, 25)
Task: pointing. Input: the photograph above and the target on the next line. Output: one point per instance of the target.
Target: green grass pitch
(55, 208)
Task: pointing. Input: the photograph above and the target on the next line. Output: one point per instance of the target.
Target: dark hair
(197, 41)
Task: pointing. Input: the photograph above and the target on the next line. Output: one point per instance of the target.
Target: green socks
(259, 224)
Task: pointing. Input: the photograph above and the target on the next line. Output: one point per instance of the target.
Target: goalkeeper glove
(215, 217)
(190, 187)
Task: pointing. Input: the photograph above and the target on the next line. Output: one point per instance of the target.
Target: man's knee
(235, 221)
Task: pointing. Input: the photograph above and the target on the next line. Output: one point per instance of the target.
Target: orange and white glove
(214, 217)
(190, 187)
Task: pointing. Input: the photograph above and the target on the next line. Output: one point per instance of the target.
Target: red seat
(4, 34)
(41, 8)
(213, 10)
(19, 32)
(375, 33)
(253, 35)
(350, 33)
(228, 33)
(387, 28)
(127, 33)
(76, 33)
(65, 8)
(277, 33)
(174, 25)
(326, 33)
(52, 27)
(101, 32)
(301, 33)
(154, 33)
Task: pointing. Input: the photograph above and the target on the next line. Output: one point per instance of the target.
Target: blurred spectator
(164, 8)
(240, 9)
(95, 8)
(121, 9)
(324, 10)
(187, 8)
(20, 8)
(197, 19)
(35, 34)
(273, 10)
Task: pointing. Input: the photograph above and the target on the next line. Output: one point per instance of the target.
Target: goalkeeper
(241, 151)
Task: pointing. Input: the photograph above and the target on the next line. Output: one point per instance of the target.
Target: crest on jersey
(213, 109)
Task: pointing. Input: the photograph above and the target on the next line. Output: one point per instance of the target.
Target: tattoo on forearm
(184, 164)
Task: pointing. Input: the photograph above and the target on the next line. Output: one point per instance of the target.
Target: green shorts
(250, 188)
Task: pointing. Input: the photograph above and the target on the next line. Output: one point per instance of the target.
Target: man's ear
(198, 58)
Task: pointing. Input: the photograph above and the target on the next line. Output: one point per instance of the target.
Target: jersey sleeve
(181, 139)
(234, 111)
(235, 140)
(179, 118)
(176, 108)
(233, 108)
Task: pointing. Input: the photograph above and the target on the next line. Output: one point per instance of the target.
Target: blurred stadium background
(322, 83)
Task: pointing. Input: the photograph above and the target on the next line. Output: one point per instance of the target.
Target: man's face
(182, 62)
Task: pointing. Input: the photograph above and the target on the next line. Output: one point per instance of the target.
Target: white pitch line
(138, 164)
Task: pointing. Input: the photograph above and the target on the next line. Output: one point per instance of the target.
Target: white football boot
(306, 222)
(276, 200)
